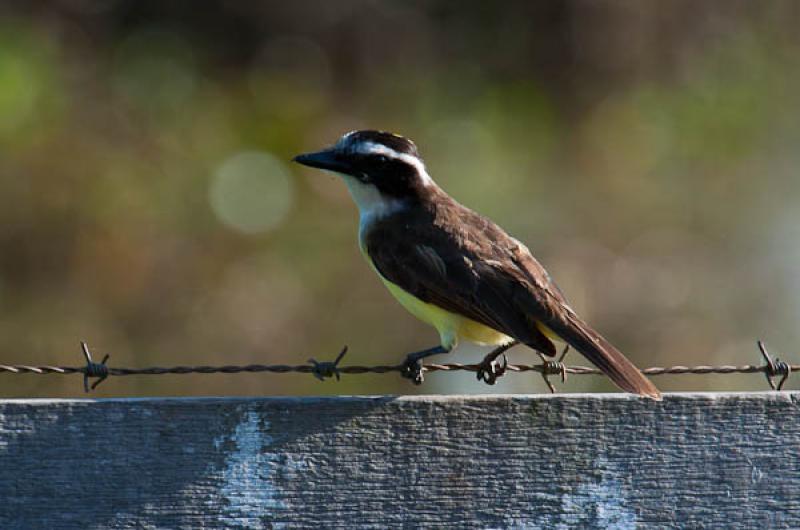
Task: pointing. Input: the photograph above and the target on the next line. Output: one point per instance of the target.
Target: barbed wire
(100, 371)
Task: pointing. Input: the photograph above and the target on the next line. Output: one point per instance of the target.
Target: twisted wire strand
(378, 369)
(771, 368)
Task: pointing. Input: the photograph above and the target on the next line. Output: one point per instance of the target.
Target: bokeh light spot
(251, 192)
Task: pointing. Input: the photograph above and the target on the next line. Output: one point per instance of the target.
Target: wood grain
(585, 461)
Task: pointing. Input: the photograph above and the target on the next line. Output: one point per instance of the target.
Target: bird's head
(374, 162)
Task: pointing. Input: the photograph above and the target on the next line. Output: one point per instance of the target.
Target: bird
(455, 269)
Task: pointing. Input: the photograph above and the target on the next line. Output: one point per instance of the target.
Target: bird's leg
(489, 369)
(412, 366)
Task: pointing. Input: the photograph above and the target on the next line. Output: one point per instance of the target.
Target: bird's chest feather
(451, 326)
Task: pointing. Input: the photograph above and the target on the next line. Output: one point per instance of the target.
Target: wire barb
(324, 369)
(773, 368)
(554, 368)
(93, 369)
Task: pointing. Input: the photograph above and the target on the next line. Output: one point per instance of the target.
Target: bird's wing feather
(433, 266)
(480, 272)
(564, 322)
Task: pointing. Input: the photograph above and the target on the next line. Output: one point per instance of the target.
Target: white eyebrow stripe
(372, 148)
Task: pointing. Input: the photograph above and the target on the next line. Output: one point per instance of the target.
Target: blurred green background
(647, 153)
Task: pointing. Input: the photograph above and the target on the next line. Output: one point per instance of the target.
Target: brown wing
(564, 322)
(464, 263)
(439, 268)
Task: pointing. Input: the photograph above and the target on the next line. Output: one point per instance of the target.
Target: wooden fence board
(588, 461)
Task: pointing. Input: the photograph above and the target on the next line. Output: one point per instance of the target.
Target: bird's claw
(489, 370)
(413, 370)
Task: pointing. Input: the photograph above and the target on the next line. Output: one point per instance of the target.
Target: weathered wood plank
(601, 461)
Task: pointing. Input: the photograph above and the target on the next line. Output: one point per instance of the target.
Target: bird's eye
(382, 159)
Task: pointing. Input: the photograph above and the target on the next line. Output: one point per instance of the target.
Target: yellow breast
(451, 326)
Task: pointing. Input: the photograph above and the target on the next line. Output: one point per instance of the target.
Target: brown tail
(605, 356)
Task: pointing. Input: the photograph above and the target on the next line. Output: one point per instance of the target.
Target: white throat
(372, 205)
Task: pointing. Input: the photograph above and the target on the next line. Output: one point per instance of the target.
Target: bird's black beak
(327, 159)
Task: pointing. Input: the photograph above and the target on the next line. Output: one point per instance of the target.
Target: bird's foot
(413, 370)
(490, 369)
(412, 367)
